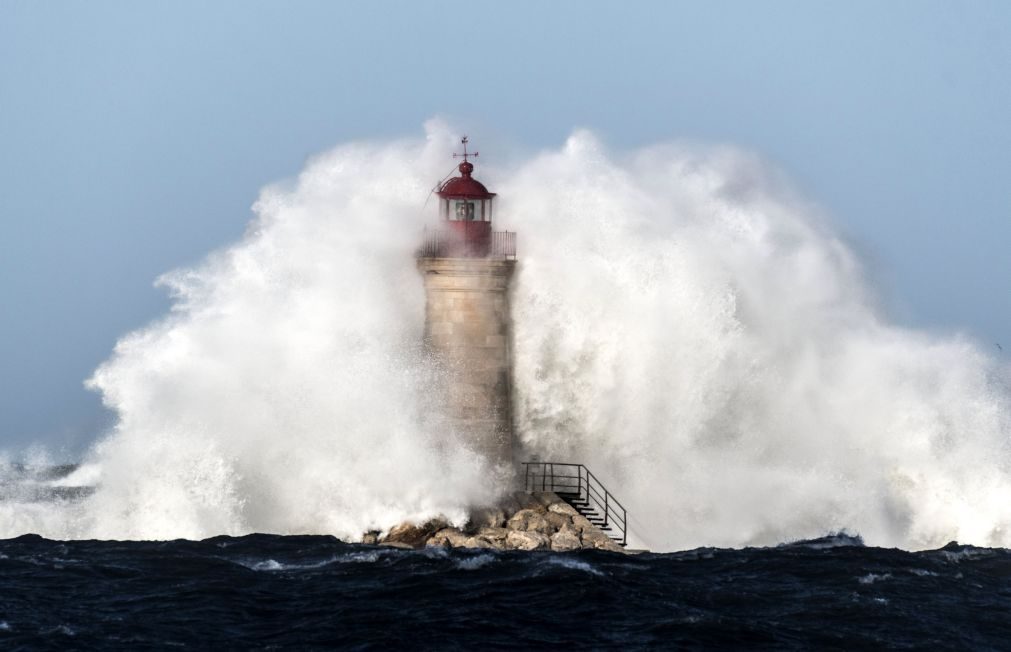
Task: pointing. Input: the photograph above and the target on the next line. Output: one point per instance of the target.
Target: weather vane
(464, 156)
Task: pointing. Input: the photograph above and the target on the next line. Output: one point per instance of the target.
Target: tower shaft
(468, 329)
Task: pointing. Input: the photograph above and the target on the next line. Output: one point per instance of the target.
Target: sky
(134, 137)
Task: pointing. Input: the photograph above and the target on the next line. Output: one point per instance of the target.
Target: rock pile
(537, 521)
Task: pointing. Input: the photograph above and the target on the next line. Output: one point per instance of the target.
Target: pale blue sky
(134, 137)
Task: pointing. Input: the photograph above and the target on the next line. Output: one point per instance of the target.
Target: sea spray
(685, 324)
(288, 390)
(697, 335)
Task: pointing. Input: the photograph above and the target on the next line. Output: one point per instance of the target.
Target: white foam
(266, 565)
(287, 391)
(475, 562)
(369, 557)
(966, 554)
(572, 564)
(871, 578)
(86, 475)
(65, 630)
(697, 334)
(273, 565)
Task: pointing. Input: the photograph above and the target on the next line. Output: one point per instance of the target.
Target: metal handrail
(437, 243)
(542, 476)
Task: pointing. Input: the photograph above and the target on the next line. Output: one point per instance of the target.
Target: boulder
(570, 529)
(557, 521)
(580, 522)
(610, 545)
(591, 537)
(414, 535)
(449, 536)
(527, 540)
(563, 508)
(594, 538)
(397, 544)
(493, 534)
(480, 542)
(565, 540)
(528, 520)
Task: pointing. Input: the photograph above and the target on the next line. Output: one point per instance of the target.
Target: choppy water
(265, 591)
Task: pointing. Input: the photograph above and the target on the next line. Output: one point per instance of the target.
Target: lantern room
(465, 199)
(465, 206)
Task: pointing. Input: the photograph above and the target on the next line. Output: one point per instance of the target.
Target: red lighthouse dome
(465, 186)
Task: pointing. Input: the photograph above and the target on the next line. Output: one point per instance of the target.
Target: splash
(685, 324)
(286, 391)
(694, 330)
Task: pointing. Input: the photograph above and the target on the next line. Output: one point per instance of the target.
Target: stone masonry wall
(467, 326)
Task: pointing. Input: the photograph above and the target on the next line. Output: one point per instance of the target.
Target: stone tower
(467, 268)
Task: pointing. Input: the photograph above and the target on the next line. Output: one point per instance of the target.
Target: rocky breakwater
(536, 521)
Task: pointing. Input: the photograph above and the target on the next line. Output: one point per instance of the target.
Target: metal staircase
(574, 484)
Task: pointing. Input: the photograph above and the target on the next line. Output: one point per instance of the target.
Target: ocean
(309, 592)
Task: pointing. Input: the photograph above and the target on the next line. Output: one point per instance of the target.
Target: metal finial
(465, 154)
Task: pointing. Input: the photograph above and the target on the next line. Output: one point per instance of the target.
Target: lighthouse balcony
(468, 242)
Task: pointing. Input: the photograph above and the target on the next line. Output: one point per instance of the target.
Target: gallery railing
(440, 243)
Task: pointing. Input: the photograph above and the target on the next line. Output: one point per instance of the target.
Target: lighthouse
(467, 267)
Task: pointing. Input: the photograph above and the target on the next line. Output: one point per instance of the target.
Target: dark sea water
(303, 592)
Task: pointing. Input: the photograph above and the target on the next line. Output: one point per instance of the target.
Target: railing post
(606, 493)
